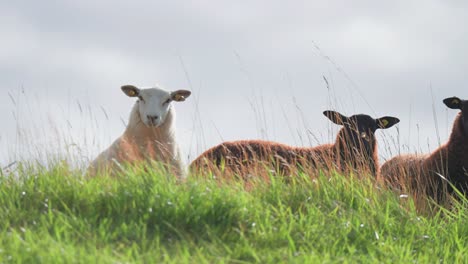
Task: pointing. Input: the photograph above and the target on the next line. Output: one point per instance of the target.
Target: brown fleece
(237, 156)
(449, 161)
(403, 172)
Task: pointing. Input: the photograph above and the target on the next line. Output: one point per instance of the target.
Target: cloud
(256, 68)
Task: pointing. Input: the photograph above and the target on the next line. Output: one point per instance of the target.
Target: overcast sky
(257, 69)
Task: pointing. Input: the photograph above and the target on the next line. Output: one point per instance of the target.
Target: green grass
(57, 216)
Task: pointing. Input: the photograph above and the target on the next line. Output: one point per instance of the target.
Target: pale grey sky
(256, 70)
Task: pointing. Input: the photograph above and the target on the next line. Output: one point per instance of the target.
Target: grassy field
(56, 216)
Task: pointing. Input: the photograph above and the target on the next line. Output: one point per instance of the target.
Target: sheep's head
(154, 103)
(358, 130)
(457, 103)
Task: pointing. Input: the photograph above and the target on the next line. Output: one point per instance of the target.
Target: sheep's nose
(153, 118)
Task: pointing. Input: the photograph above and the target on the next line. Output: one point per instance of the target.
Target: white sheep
(149, 136)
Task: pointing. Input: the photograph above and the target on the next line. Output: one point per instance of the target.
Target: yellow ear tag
(384, 122)
(455, 101)
(178, 97)
(131, 93)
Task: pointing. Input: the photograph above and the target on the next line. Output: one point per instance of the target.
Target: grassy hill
(56, 216)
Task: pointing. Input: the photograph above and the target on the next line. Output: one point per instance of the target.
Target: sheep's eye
(141, 98)
(167, 101)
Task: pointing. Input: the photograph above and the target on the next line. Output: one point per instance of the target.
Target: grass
(56, 216)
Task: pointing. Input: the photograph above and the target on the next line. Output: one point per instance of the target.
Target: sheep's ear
(130, 90)
(453, 102)
(180, 95)
(387, 122)
(336, 117)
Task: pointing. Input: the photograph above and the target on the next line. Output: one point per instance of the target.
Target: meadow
(55, 215)
(51, 213)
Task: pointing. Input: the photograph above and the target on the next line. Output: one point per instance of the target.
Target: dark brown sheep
(355, 148)
(429, 174)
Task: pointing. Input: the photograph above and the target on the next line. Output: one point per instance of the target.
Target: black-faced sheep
(355, 148)
(428, 174)
(150, 133)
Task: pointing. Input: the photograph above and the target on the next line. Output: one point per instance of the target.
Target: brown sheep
(429, 174)
(355, 147)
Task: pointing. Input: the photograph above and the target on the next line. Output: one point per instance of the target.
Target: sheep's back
(253, 155)
(403, 172)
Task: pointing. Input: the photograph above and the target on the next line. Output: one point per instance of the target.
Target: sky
(256, 69)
